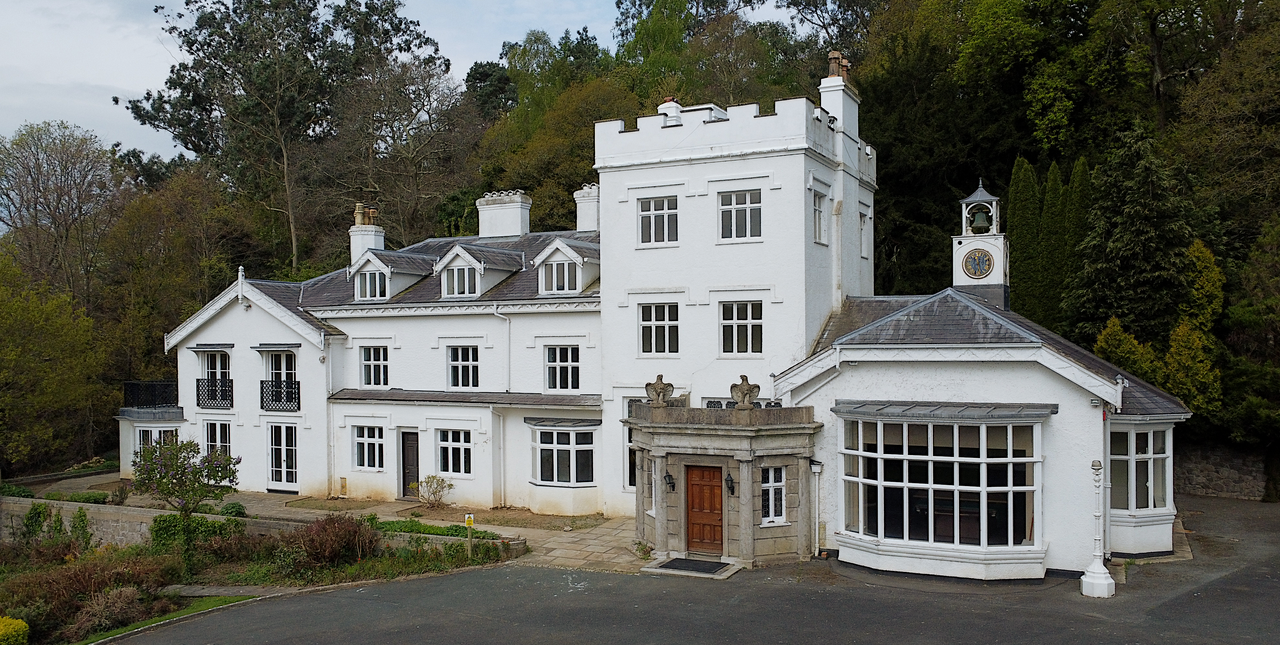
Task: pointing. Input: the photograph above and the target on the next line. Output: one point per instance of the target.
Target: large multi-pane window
(742, 327)
(370, 449)
(563, 368)
(371, 285)
(455, 452)
(217, 437)
(1140, 470)
(284, 453)
(374, 365)
(940, 483)
(217, 366)
(464, 367)
(740, 215)
(658, 221)
(566, 457)
(659, 329)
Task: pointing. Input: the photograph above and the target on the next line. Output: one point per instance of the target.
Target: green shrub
(166, 530)
(13, 631)
(80, 533)
(80, 497)
(453, 530)
(105, 611)
(233, 509)
(13, 490)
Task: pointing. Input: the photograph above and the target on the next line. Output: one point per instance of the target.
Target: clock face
(978, 263)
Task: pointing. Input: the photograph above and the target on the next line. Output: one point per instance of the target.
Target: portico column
(746, 511)
(661, 532)
(642, 459)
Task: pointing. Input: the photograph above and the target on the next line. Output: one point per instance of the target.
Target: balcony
(214, 393)
(151, 401)
(280, 396)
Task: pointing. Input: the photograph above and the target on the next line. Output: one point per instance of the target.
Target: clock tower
(980, 254)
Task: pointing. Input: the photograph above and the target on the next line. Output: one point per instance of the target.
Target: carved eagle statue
(744, 393)
(659, 392)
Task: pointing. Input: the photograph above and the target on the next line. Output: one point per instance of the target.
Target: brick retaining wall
(125, 525)
(1218, 471)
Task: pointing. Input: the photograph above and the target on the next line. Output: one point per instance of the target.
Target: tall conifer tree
(1054, 252)
(1022, 217)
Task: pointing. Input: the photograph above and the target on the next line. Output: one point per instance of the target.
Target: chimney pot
(504, 213)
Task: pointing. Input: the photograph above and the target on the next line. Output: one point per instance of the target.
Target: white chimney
(365, 234)
(670, 111)
(588, 207)
(504, 214)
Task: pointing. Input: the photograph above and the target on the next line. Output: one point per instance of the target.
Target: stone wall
(1218, 471)
(124, 525)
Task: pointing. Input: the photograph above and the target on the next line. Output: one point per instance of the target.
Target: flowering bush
(178, 475)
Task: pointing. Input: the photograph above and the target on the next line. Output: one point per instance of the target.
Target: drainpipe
(500, 439)
(815, 467)
(495, 312)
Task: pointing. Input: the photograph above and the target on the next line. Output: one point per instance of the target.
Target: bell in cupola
(981, 219)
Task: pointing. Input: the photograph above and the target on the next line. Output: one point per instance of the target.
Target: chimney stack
(588, 207)
(365, 234)
(504, 213)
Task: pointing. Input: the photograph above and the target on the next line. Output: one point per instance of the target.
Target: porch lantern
(671, 481)
(728, 482)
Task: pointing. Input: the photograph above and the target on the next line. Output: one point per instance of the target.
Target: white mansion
(937, 434)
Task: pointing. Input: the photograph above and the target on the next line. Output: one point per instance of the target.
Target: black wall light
(671, 481)
(728, 481)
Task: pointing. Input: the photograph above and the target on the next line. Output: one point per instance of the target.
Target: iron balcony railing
(214, 393)
(280, 396)
(150, 394)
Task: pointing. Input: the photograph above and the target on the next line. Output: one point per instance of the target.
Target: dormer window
(371, 285)
(559, 277)
(460, 281)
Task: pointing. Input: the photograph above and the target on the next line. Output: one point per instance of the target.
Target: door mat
(699, 566)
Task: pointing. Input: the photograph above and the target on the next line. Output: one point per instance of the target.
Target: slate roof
(288, 295)
(552, 422)
(498, 258)
(479, 398)
(950, 317)
(411, 263)
(946, 410)
(508, 253)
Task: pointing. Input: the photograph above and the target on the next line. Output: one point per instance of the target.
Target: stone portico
(702, 489)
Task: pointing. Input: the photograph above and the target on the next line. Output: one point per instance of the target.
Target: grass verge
(198, 605)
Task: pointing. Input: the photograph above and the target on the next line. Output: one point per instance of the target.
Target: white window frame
(464, 367)
(563, 454)
(563, 368)
(282, 459)
(867, 471)
(742, 328)
(375, 366)
(559, 277)
(1140, 479)
(217, 435)
(148, 436)
(370, 448)
(460, 282)
(658, 218)
(281, 366)
(652, 329)
(217, 366)
(371, 285)
(455, 452)
(821, 223)
(741, 215)
(773, 495)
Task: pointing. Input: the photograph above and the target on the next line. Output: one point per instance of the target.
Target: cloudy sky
(65, 59)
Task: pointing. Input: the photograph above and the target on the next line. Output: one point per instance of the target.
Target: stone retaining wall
(125, 525)
(1218, 471)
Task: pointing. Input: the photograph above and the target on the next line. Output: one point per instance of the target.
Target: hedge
(85, 497)
(453, 530)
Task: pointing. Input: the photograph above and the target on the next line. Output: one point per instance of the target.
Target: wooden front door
(409, 459)
(706, 513)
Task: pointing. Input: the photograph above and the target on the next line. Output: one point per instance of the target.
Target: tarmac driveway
(1230, 593)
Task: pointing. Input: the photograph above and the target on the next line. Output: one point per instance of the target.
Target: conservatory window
(1140, 469)
(940, 483)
